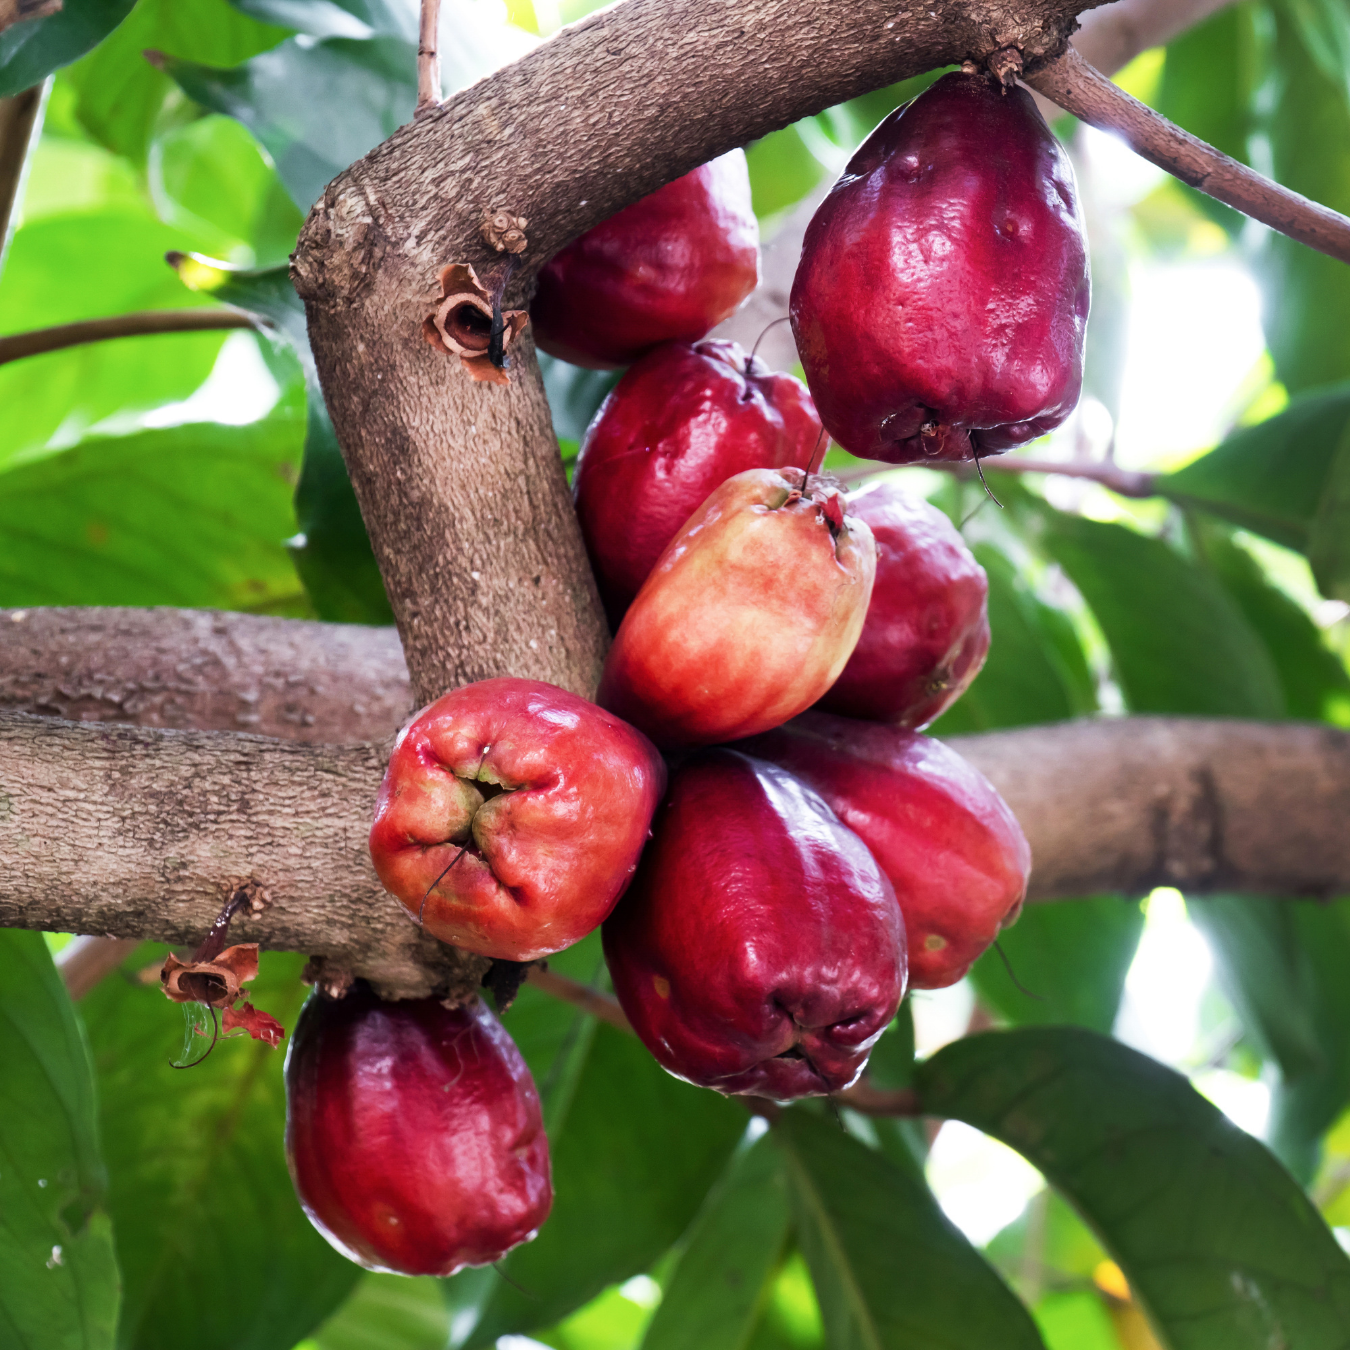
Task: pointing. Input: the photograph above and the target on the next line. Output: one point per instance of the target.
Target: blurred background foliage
(1139, 1049)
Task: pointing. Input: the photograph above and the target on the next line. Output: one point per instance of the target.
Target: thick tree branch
(205, 670)
(134, 832)
(1078, 88)
(458, 480)
(38, 340)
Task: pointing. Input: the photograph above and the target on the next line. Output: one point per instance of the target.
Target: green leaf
(87, 266)
(890, 1269)
(1036, 670)
(338, 18)
(315, 106)
(1305, 292)
(1329, 539)
(1269, 478)
(1315, 682)
(213, 1245)
(733, 1250)
(574, 394)
(791, 1316)
(122, 98)
(1220, 1246)
(1179, 643)
(30, 51)
(635, 1155)
(190, 515)
(388, 1312)
(1068, 961)
(59, 1285)
(331, 550)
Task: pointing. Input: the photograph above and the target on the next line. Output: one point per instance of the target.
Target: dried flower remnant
(464, 323)
(505, 232)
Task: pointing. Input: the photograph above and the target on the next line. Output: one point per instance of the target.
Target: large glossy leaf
(59, 1286)
(331, 549)
(1269, 478)
(1314, 679)
(388, 1312)
(30, 51)
(1329, 540)
(890, 1269)
(1282, 964)
(733, 1250)
(1062, 962)
(633, 1159)
(338, 18)
(1305, 292)
(121, 96)
(213, 1245)
(86, 266)
(190, 515)
(1218, 1242)
(316, 105)
(1178, 641)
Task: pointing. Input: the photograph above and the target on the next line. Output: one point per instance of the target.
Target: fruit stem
(1085, 92)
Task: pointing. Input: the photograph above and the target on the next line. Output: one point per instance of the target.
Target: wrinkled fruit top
(760, 949)
(942, 297)
(748, 616)
(511, 816)
(927, 628)
(679, 424)
(948, 842)
(669, 268)
(413, 1133)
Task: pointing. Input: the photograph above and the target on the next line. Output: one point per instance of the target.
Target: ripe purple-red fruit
(669, 268)
(927, 629)
(413, 1133)
(679, 424)
(748, 616)
(942, 298)
(511, 816)
(760, 949)
(938, 829)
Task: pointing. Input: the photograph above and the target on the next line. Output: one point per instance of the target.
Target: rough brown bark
(459, 481)
(135, 832)
(205, 670)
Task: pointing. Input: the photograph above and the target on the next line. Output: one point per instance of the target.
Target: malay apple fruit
(511, 816)
(760, 949)
(669, 268)
(942, 297)
(681, 422)
(927, 629)
(748, 616)
(937, 827)
(413, 1133)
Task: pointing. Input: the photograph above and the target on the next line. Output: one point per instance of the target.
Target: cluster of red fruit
(763, 902)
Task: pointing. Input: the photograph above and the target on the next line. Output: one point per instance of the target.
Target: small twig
(85, 962)
(38, 340)
(428, 59)
(1084, 91)
(20, 123)
(1125, 482)
(583, 996)
(875, 1101)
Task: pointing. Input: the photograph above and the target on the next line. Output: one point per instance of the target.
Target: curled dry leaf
(260, 1025)
(462, 323)
(215, 982)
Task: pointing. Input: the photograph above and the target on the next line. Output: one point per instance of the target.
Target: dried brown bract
(463, 324)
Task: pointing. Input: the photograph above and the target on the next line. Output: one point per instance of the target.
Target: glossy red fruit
(679, 424)
(511, 816)
(948, 842)
(927, 628)
(748, 616)
(413, 1133)
(760, 949)
(669, 268)
(942, 297)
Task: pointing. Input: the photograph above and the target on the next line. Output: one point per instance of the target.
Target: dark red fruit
(669, 268)
(760, 950)
(927, 629)
(942, 297)
(511, 816)
(679, 424)
(749, 615)
(413, 1133)
(948, 842)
